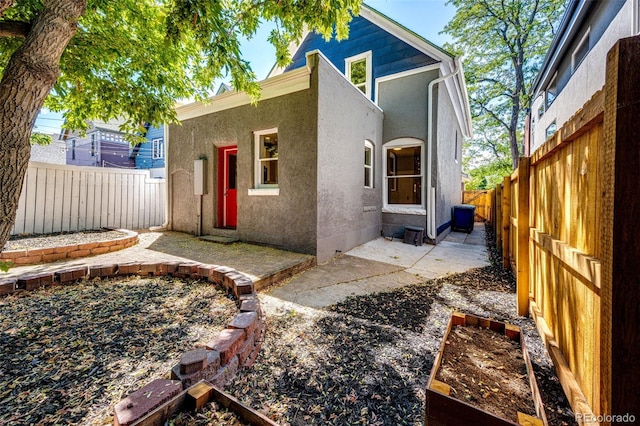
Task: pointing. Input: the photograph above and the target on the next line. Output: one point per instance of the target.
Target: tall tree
(131, 59)
(504, 43)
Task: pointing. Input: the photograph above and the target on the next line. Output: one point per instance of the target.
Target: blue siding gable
(390, 55)
(144, 159)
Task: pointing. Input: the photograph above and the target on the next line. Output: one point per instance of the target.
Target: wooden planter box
(442, 409)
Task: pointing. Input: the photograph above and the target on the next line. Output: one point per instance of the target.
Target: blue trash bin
(463, 217)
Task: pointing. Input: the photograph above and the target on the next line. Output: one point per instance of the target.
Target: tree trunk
(27, 80)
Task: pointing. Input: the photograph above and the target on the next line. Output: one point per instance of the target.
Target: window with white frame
(368, 164)
(157, 148)
(358, 71)
(266, 158)
(550, 130)
(404, 175)
(552, 92)
(580, 51)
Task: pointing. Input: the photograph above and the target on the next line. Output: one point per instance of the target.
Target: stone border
(217, 362)
(52, 254)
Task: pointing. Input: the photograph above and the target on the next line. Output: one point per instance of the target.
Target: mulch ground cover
(70, 353)
(367, 360)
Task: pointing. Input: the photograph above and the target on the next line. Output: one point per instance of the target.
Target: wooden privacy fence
(480, 199)
(567, 223)
(58, 198)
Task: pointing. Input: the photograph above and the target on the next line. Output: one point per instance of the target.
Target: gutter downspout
(168, 203)
(431, 192)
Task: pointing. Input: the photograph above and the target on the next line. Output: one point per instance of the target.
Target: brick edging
(217, 362)
(73, 251)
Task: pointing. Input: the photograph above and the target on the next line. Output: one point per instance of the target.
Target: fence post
(506, 220)
(522, 257)
(620, 227)
(498, 217)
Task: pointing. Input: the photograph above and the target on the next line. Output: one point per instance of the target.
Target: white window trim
(370, 168)
(415, 209)
(154, 142)
(259, 188)
(263, 191)
(369, 71)
(553, 82)
(583, 40)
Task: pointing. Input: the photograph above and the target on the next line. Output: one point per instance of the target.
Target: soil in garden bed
(486, 369)
(212, 414)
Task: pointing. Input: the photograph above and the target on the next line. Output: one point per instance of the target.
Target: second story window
(358, 71)
(580, 52)
(551, 92)
(157, 148)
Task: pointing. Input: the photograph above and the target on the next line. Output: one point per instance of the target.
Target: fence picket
(58, 198)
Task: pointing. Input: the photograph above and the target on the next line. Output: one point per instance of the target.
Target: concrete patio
(381, 265)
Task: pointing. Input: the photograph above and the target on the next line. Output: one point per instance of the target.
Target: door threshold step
(219, 239)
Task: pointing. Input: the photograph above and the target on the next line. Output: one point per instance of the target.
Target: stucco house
(353, 139)
(574, 68)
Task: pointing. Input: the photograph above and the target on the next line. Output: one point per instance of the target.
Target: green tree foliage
(504, 43)
(135, 58)
(130, 59)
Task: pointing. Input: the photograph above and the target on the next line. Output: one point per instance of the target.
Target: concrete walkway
(376, 266)
(258, 262)
(381, 265)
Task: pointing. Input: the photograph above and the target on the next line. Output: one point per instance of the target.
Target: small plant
(4, 266)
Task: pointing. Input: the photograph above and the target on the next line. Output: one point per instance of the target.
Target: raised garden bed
(482, 375)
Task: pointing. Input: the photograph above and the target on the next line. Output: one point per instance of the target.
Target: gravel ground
(367, 360)
(71, 353)
(31, 241)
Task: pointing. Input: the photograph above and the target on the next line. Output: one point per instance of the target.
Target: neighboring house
(150, 154)
(54, 153)
(104, 145)
(574, 68)
(341, 147)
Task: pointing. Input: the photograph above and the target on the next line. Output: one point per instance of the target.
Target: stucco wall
(448, 161)
(404, 102)
(348, 213)
(286, 220)
(587, 79)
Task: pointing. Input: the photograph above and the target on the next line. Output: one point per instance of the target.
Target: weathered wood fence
(59, 198)
(567, 223)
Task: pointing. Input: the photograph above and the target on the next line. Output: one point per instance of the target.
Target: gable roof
(448, 62)
(392, 27)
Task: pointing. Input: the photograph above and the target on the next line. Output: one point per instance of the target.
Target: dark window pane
(402, 190)
(232, 171)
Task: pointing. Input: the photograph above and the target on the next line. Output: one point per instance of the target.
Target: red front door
(227, 192)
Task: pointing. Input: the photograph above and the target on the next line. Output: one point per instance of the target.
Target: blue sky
(425, 17)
